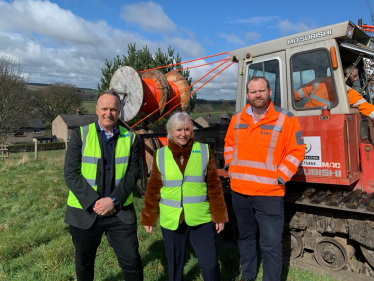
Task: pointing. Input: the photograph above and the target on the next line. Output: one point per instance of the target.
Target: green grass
(33, 88)
(35, 243)
(90, 106)
(214, 113)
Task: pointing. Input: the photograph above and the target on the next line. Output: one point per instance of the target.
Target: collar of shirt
(250, 113)
(107, 135)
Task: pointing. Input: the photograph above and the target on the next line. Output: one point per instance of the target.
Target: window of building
(19, 133)
(312, 83)
(36, 131)
(269, 70)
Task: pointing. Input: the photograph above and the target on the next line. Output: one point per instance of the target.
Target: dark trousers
(123, 239)
(266, 213)
(202, 240)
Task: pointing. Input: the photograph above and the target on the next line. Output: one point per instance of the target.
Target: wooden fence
(4, 152)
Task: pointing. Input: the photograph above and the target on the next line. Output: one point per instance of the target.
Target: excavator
(329, 203)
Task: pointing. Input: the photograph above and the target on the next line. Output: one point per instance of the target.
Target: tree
(14, 99)
(141, 60)
(227, 106)
(57, 98)
(204, 108)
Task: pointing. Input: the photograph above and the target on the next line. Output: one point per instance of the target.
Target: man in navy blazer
(109, 208)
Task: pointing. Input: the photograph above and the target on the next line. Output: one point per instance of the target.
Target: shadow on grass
(229, 258)
(157, 253)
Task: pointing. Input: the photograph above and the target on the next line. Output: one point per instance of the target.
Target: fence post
(36, 147)
(4, 151)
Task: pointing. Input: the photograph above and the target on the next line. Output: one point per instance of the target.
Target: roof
(206, 121)
(341, 31)
(73, 120)
(37, 123)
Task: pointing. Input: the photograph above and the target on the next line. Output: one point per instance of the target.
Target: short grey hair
(348, 68)
(178, 120)
(110, 92)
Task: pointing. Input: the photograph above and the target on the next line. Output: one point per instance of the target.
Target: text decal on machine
(309, 37)
(312, 152)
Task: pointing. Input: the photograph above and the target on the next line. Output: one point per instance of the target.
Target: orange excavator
(330, 200)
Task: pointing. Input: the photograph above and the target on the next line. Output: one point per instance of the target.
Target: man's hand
(104, 207)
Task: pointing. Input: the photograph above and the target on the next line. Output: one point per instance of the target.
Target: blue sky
(69, 40)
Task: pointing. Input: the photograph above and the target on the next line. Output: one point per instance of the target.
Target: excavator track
(335, 226)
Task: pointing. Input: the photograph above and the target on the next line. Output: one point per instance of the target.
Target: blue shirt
(107, 135)
(250, 113)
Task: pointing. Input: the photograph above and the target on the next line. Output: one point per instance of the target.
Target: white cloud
(256, 21)
(288, 27)
(232, 38)
(222, 86)
(186, 46)
(47, 19)
(252, 36)
(149, 16)
(55, 45)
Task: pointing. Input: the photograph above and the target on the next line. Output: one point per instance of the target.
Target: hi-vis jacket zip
(262, 157)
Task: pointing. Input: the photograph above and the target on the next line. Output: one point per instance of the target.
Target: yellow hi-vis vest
(91, 153)
(188, 191)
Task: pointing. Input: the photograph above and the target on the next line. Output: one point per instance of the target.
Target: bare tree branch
(14, 99)
(57, 98)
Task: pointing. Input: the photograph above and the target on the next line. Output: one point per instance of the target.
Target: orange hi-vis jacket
(319, 92)
(356, 100)
(262, 157)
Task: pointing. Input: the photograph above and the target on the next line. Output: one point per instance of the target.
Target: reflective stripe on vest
(268, 165)
(316, 97)
(320, 99)
(91, 153)
(301, 93)
(186, 192)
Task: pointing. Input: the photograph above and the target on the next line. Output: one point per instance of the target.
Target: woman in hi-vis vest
(184, 191)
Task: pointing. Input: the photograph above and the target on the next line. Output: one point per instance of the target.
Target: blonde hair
(179, 120)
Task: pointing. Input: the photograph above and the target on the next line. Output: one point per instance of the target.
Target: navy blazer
(86, 195)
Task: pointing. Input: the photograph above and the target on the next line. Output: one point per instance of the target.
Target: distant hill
(214, 102)
(88, 94)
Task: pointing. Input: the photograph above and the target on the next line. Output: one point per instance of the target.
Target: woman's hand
(219, 227)
(148, 228)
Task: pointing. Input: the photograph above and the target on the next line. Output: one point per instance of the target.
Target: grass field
(34, 240)
(89, 106)
(214, 113)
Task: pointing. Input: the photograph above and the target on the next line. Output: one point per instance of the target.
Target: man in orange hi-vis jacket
(317, 93)
(320, 92)
(355, 98)
(263, 149)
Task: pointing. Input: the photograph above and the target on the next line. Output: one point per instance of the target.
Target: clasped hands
(104, 207)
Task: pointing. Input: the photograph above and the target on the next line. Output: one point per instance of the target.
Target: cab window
(269, 70)
(312, 83)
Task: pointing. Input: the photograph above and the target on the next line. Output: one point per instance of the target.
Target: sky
(69, 40)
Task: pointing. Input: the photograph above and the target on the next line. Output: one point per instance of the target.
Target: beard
(260, 103)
